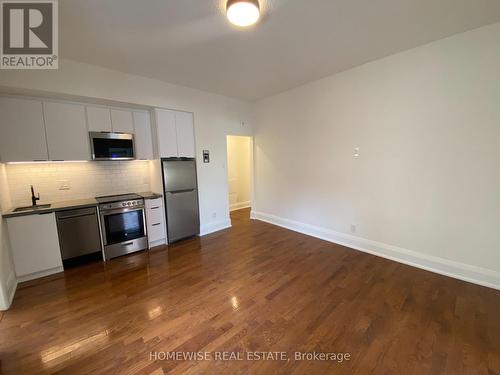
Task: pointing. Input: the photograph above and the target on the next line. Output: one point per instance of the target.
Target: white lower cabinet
(155, 220)
(35, 245)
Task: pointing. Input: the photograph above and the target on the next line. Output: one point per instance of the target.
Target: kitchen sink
(29, 208)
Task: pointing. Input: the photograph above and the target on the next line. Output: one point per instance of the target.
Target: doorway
(239, 172)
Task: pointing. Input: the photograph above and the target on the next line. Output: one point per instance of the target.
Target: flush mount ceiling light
(243, 12)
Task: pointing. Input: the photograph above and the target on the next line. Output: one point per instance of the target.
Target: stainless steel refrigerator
(180, 189)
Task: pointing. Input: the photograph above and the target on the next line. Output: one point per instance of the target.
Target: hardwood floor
(254, 287)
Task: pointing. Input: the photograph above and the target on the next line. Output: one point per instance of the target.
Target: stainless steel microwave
(112, 146)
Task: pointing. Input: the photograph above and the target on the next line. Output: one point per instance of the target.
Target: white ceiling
(189, 42)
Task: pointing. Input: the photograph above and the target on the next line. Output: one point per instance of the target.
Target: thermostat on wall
(206, 156)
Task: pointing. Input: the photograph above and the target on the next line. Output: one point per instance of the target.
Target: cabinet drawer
(154, 211)
(150, 203)
(156, 232)
(155, 215)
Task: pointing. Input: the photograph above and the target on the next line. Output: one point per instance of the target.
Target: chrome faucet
(33, 197)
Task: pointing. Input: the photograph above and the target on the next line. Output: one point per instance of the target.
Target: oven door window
(105, 148)
(122, 227)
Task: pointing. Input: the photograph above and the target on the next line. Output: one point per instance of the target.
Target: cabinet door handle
(127, 244)
(155, 208)
(154, 225)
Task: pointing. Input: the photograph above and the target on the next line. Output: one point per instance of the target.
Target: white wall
(239, 171)
(215, 117)
(426, 187)
(7, 275)
(86, 180)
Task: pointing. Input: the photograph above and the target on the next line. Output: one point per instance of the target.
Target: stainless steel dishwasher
(79, 235)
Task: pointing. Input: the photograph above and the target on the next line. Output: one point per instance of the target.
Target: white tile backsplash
(85, 180)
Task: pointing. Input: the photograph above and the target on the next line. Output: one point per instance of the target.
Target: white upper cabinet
(66, 129)
(143, 138)
(22, 132)
(122, 121)
(166, 133)
(175, 132)
(184, 125)
(98, 119)
(41, 130)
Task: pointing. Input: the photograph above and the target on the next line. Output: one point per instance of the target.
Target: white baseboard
(214, 227)
(37, 275)
(239, 206)
(458, 270)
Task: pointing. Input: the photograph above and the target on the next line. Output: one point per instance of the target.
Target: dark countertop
(68, 205)
(56, 206)
(150, 195)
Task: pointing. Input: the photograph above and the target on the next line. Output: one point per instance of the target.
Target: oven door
(122, 225)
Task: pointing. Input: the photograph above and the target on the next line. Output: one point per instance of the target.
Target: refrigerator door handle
(180, 191)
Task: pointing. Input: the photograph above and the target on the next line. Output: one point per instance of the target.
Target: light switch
(206, 156)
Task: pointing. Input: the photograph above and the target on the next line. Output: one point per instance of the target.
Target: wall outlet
(353, 228)
(356, 152)
(214, 215)
(64, 185)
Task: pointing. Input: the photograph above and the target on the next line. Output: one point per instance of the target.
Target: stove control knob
(124, 204)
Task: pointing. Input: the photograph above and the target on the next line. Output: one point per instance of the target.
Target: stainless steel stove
(121, 200)
(123, 224)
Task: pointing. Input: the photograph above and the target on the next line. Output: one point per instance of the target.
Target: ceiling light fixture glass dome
(243, 12)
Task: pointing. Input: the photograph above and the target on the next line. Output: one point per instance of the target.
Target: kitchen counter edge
(150, 195)
(69, 205)
(57, 206)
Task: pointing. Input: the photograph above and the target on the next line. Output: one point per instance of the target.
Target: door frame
(252, 172)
